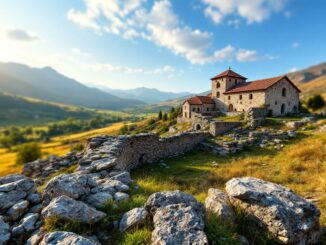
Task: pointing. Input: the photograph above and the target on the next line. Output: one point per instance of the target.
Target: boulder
(61, 237)
(11, 178)
(120, 196)
(132, 218)
(68, 208)
(4, 232)
(218, 203)
(9, 199)
(97, 200)
(178, 224)
(18, 210)
(71, 185)
(124, 177)
(28, 222)
(162, 199)
(287, 216)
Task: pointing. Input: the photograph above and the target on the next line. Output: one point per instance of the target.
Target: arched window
(194, 109)
(229, 97)
(250, 96)
(218, 85)
(240, 97)
(284, 92)
(198, 109)
(218, 94)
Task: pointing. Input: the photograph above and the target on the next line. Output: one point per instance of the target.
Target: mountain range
(148, 95)
(47, 84)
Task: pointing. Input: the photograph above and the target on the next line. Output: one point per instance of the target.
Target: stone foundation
(220, 127)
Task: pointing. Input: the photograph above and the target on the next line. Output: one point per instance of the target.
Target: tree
(316, 102)
(165, 117)
(160, 115)
(28, 152)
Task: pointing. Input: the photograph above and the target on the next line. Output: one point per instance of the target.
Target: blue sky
(172, 45)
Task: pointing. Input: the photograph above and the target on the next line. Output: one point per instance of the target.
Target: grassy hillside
(15, 110)
(48, 84)
(316, 86)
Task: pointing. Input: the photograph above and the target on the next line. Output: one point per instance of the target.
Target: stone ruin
(102, 174)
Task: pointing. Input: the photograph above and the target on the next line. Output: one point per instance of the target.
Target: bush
(78, 147)
(316, 102)
(28, 152)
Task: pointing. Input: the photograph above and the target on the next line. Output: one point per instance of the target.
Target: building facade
(232, 93)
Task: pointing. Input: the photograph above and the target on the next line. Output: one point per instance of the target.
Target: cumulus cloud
(251, 10)
(158, 24)
(247, 55)
(79, 52)
(22, 35)
(294, 69)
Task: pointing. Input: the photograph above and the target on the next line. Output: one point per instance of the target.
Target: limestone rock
(28, 222)
(4, 232)
(218, 203)
(289, 217)
(97, 200)
(132, 218)
(71, 185)
(124, 177)
(162, 199)
(34, 198)
(61, 237)
(178, 224)
(18, 210)
(11, 178)
(120, 196)
(66, 207)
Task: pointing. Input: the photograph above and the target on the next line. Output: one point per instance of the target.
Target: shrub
(160, 115)
(28, 152)
(165, 117)
(316, 102)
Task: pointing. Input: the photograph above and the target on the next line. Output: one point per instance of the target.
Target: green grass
(137, 237)
(299, 166)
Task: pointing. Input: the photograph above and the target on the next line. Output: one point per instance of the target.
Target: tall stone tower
(222, 83)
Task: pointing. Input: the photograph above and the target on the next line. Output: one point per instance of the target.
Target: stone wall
(127, 152)
(220, 127)
(256, 116)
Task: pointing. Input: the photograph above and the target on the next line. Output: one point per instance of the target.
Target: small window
(229, 79)
(218, 85)
(218, 94)
(236, 82)
(193, 109)
(240, 97)
(198, 109)
(207, 109)
(284, 92)
(250, 96)
(229, 97)
(275, 102)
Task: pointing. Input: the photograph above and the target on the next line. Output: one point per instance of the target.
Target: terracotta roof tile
(258, 85)
(200, 100)
(228, 73)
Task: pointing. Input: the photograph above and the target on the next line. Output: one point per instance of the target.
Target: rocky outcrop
(43, 168)
(68, 208)
(132, 218)
(217, 202)
(177, 217)
(289, 217)
(60, 237)
(19, 212)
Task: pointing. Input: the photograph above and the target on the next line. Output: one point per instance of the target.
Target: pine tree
(160, 115)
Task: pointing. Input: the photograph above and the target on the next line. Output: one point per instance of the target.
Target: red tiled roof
(228, 73)
(200, 100)
(258, 85)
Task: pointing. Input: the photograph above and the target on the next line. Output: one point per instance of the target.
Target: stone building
(232, 93)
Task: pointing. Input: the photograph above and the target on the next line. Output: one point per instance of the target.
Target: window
(284, 92)
(207, 109)
(193, 109)
(218, 94)
(229, 97)
(275, 102)
(218, 85)
(250, 96)
(198, 109)
(229, 79)
(236, 82)
(240, 97)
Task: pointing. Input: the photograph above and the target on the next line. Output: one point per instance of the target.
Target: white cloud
(158, 24)
(247, 55)
(294, 69)
(167, 69)
(295, 45)
(251, 10)
(22, 35)
(78, 52)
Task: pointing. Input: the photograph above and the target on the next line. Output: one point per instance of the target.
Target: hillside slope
(16, 110)
(48, 84)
